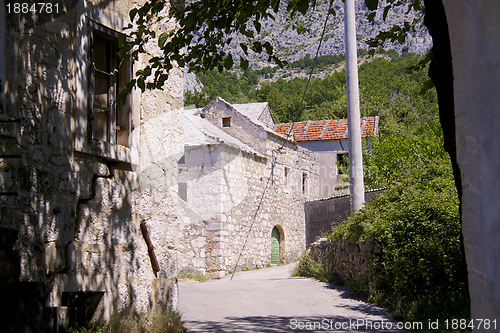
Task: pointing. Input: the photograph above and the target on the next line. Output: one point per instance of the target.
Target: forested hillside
(387, 88)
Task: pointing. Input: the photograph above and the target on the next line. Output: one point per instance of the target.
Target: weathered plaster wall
(474, 28)
(203, 173)
(328, 172)
(71, 217)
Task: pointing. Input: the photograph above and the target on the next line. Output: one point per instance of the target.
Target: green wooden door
(275, 246)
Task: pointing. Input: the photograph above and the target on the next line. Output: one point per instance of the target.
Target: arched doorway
(275, 246)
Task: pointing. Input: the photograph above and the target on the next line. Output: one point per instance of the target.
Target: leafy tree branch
(204, 28)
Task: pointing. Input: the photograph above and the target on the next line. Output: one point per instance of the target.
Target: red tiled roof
(327, 129)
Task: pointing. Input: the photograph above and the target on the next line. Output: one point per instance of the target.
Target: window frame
(96, 19)
(342, 161)
(305, 183)
(286, 178)
(226, 121)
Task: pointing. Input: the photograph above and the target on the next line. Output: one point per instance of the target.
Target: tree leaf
(257, 26)
(243, 63)
(228, 62)
(244, 47)
(257, 47)
(269, 48)
(386, 11)
(132, 13)
(162, 40)
(371, 4)
(141, 84)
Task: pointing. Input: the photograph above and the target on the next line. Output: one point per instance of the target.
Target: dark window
(226, 122)
(286, 178)
(109, 75)
(304, 183)
(342, 162)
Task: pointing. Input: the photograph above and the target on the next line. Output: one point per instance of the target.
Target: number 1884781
(456, 324)
(32, 8)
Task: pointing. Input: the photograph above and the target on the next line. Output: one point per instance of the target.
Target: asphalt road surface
(269, 300)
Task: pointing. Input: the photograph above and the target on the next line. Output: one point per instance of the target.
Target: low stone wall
(348, 260)
(323, 214)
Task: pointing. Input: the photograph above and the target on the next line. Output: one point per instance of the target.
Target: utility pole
(357, 190)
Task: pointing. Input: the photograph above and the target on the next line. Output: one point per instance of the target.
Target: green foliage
(416, 266)
(183, 276)
(387, 89)
(205, 27)
(308, 267)
(231, 86)
(419, 271)
(398, 149)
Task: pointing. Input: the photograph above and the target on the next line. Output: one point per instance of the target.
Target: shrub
(420, 270)
(308, 267)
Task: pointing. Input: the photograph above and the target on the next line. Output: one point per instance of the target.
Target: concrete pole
(357, 191)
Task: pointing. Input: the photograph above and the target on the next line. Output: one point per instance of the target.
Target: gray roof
(251, 110)
(199, 131)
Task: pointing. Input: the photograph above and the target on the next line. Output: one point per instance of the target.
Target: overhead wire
(288, 134)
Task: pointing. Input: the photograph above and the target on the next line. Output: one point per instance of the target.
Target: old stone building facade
(79, 175)
(239, 180)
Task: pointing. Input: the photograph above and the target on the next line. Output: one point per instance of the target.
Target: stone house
(85, 186)
(243, 188)
(330, 140)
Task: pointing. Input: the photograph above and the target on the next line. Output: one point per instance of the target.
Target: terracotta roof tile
(328, 129)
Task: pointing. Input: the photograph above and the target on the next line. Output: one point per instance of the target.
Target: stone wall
(70, 208)
(347, 260)
(241, 127)
(321, 215)
(225, 187)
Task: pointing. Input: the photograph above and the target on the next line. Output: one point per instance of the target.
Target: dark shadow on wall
(441, 73)
(41, 221)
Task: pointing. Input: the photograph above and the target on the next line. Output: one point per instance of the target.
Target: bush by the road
(417, 268)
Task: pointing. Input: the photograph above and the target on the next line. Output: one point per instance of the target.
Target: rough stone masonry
(78, 174)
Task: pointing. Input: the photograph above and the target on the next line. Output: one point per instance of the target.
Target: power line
(273, 163)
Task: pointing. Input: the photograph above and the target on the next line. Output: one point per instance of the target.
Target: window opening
(286, 177)
(226, 122)
(304, 183)
(342, 162)
(109, 122)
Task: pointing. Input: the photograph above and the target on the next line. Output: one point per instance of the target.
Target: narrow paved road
(268, 300)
